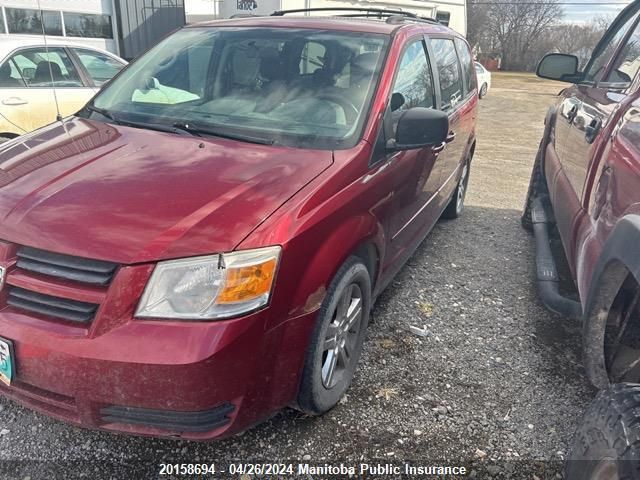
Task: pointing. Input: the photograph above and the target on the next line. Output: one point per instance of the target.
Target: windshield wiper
(147, 126)
(200, 130)
(102, 111)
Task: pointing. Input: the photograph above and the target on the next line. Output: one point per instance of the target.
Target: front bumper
(155, 378)
(111, 371)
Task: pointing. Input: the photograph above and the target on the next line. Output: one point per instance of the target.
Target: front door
(584, 118)
(414, 205)
(46, 81)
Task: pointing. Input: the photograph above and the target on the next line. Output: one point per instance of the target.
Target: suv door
(583, 114)
(415, 209)
(450, 82)
(32, 103)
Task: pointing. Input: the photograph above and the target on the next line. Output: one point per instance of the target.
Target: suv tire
(606, 445)
(337, 339)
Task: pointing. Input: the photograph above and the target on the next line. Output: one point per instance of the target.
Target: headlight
(215, 286)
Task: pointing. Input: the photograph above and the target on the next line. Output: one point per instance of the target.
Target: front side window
(40, 67)
(28, 21)
(87, 25)
(298, 87)
(414, 80)
(101, 67)
(606, 48)
(467, 66)
(627, 63)
(449, 74)
(10, 75)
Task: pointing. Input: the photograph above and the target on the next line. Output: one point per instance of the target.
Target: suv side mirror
(559, 66)
(420, 127)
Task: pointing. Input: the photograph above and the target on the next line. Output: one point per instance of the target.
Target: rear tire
(336, 342)
(483, 91)
(606, 446)
(456, 204)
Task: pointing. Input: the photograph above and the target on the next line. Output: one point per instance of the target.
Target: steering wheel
(350, 110)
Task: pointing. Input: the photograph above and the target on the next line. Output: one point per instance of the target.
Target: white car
(484, 79)
(28, 72)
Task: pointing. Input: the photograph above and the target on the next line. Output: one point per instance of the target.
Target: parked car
(31, 70)
(585, 185)
(200, 246)
(484, 79)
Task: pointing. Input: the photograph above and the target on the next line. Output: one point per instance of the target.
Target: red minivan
(200, 246)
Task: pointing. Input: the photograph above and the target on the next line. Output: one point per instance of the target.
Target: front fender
(330, 254)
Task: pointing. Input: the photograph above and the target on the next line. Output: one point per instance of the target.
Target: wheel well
(622, 332)
(8, 135)
(368, 253)
(613, 280)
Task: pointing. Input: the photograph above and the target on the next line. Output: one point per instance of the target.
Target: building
(129, 27)
(124, 27)
(449, 12)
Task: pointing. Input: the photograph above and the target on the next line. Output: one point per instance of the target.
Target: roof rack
(390, 15)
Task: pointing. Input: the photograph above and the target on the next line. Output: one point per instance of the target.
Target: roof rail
(380, 13)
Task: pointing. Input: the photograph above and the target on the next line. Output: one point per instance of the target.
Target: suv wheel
(621, 346)
(337, 339)
(606, 446)
(456, 204)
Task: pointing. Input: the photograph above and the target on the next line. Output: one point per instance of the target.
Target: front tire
(606, 446)
(483, 91)
(336, 342)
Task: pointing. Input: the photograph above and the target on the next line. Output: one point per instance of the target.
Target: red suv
(201, 245)
(586, 187)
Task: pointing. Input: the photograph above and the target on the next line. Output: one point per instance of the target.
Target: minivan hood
(128, 195)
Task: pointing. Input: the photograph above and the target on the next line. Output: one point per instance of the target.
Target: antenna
(46, 49)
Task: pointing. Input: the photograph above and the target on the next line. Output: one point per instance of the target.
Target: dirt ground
(496, 385)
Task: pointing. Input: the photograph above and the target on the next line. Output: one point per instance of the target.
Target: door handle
(571, 114)
(591, 130)
(14, 101)
(438, 148)
(450, 137)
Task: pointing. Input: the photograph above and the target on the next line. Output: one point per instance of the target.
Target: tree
(516, 26)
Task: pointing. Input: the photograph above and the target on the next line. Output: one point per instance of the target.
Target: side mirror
(397, 100)
(559, 66)
(420, 127)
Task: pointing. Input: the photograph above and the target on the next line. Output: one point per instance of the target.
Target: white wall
(210, 9)
(80, 6)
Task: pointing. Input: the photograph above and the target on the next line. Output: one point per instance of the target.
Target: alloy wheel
(342, 336)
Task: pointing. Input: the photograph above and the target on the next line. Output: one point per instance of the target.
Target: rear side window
(449, 74)
(467, 66)
(101, 67)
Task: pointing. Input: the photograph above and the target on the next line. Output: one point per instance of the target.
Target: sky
(587, 10)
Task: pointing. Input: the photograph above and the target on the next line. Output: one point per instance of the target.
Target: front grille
(95, 272)
(62, 308)
(201, 421)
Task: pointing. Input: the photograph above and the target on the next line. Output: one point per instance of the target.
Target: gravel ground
(496, 385)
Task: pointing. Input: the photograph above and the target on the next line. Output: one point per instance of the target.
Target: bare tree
(517, 26)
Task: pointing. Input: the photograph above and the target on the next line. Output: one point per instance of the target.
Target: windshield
(295, 87)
